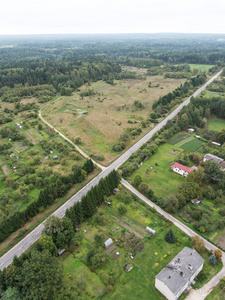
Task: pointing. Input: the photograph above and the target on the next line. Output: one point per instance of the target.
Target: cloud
(114, 16)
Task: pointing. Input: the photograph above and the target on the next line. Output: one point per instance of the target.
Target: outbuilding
(55, 157)
(61, 251)
(148, 229)
(108, 243)
(190, 130)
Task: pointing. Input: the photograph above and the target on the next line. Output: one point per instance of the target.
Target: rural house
(191, 130)
(181, 169)
(179, 274)
(210, 156)
(222, 164)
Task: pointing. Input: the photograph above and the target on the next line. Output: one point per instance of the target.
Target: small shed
(46, 157)
(61, 251)
(55, 157)
(12, 155)
(195, 201)
(148, 229)
(115, 191)
(51, 152)
(128, 267)
(108, 243)
(190, 130)
(197, 136)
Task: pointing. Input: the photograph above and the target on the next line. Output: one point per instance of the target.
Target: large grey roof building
(210, 156)
(179, 273)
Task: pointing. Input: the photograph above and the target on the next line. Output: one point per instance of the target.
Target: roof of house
(182, 167)
(180, 270)
(222, 163)
(210, 156)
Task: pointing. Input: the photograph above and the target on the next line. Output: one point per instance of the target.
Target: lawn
(216, 125)
(160, 178)
(101, 118)
(192, 145)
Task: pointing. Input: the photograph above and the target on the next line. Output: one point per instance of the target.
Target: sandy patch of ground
(128, 228)
(5, 170)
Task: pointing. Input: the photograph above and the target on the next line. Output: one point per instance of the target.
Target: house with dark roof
(179, 274)
(181, 169)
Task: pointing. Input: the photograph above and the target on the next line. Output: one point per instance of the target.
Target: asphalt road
(32, 237)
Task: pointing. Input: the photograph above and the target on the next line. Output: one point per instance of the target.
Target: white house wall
(164, 290)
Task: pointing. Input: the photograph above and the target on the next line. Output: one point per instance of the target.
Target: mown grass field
(100, 119)
(216, 125)
(161, 179)
(200, 67)
(146, 264)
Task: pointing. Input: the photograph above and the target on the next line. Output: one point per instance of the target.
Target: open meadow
(99, 119)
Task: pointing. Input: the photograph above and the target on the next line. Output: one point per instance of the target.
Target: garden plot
(19, 147)
(30, 137)
(178, 138)
(35, 134)
(5, 170)
(192, 145)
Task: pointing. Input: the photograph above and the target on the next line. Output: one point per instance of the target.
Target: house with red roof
(181, 169)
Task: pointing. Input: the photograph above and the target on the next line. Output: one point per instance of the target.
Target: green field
(163, 181)
(216, 125)
(200, 67)
(192, 145)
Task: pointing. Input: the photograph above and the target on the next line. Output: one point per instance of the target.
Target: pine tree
(170, 237)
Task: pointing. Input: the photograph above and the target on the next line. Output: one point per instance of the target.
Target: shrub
(213, 260)
(170, 237)
(122, 209)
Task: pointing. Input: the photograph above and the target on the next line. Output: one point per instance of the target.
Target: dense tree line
(39, 274)
(43, 78)
(46, 197)
(87, 206)
(165, 102)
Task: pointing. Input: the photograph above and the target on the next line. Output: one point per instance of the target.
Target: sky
(111, 16)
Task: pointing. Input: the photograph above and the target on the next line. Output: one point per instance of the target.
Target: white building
(108, 243)
(181, 169)
(178, 275)
(148, 229)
